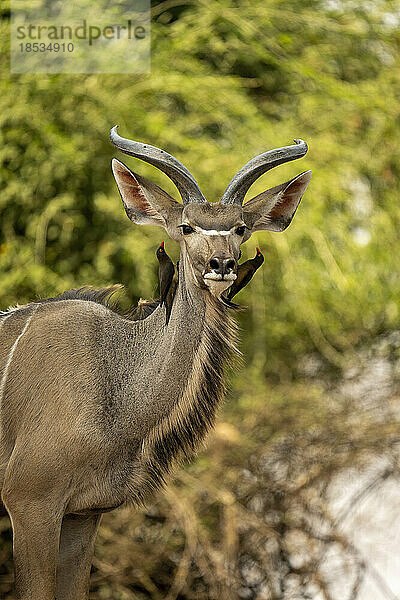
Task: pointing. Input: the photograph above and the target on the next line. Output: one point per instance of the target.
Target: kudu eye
(240, 230)
(186, 229)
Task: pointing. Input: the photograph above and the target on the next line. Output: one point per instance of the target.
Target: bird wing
(244, 274)
(166, 275)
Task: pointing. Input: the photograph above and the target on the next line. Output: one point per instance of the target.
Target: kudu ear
(145, 203)
(274, 209)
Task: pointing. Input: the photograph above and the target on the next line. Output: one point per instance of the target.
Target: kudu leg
(36, 531)
(78, 534)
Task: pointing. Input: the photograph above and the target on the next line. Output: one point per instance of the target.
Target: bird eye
(186, 229)
(240, 230)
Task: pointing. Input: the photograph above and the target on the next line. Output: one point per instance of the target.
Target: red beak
(162, 245)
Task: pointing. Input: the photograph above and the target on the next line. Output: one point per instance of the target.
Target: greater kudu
(95, 407)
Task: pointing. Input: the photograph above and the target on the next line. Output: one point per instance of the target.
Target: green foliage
(228, 80)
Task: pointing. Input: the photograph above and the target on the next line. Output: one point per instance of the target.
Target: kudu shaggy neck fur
(96, 407)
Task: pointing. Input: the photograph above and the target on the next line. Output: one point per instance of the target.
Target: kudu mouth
(219, 275)
(218, 283)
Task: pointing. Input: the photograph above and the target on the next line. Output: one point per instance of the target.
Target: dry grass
(251, 517)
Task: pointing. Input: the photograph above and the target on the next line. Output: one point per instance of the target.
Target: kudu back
(95, 407)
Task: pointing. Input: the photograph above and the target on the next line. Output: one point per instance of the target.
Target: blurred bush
(229, 80)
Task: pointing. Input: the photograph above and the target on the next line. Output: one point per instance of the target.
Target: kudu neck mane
(180, 431)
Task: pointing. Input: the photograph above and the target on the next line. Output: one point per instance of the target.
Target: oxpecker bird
(244, 273)
(166, 272)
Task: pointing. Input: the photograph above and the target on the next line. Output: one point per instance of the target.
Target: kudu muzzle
(222, 266)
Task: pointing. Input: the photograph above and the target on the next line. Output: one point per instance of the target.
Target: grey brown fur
(96, 407)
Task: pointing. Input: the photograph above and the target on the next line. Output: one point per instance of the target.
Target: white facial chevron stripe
(212, 231)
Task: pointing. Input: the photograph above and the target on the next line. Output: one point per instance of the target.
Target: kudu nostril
(214, 264)
(229, 265)
(222, 266)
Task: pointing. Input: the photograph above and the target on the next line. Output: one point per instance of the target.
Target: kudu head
(210, 234)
